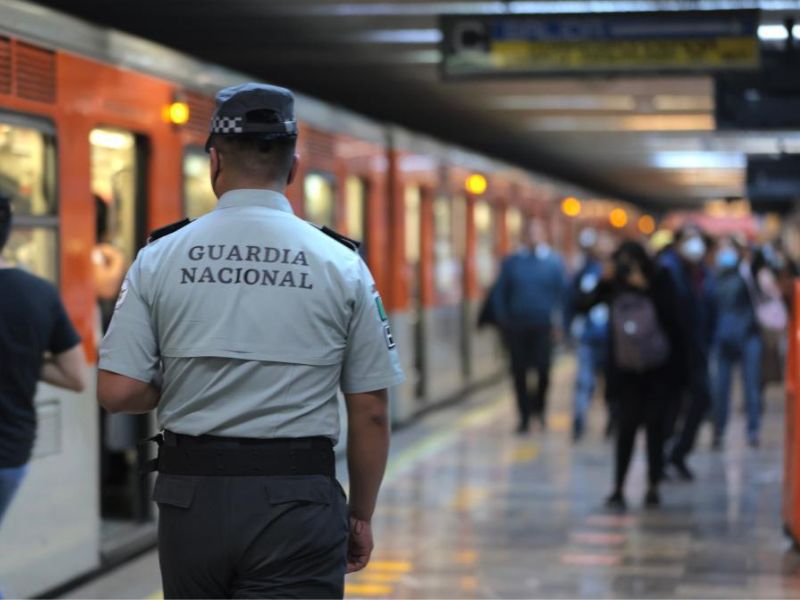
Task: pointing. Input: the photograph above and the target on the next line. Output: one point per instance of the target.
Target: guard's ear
(294, 169)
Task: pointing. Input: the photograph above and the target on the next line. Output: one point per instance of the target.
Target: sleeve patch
(381, 310)
(387, 334)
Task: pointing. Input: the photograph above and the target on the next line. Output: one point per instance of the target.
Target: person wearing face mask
(527, 299)
(737, 339)
(590, 329)
(642, 336)
(693, 286)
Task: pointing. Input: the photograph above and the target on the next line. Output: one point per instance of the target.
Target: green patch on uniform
(381, 309)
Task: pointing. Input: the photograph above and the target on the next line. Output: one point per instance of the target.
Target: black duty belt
(180, 454)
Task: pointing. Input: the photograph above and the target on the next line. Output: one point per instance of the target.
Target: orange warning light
(476, 184)
(618, 218)
(647, 224)
(177, 113)
(571, 207)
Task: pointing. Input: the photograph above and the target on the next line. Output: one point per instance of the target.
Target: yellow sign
(690, 54)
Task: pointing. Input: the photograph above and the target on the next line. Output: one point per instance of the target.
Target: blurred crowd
(662, 323)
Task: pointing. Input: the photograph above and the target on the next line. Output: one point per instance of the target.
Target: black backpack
(640, 343)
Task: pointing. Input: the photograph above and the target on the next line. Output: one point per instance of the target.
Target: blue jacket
(529, 290)
(594, 322)
(695, 304)
(736, 316)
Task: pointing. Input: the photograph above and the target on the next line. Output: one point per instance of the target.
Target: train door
(459, 216)
(412, 200)
(118, 188)
(485, 351)
(443, 322)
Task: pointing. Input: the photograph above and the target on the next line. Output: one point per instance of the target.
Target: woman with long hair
(643, 341)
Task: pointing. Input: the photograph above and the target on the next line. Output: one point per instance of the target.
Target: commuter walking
(239, 328)
(693, 288)
(772, 276)
(737, 339)
(589, 328)
(642, 340)
(37, 343)
(527, 302)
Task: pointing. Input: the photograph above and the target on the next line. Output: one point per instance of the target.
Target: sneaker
(684, 472)
(652, 498)
(616, 501)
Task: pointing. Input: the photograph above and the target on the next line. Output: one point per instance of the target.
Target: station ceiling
(646, 139)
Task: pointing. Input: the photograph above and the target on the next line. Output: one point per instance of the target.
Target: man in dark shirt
(37, 341)
(527, 296)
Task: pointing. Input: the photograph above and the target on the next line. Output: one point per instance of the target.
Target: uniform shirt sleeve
(130, 346)
(63, 336)
(370, 360)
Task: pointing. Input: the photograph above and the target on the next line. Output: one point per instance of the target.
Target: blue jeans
(591, 358)
(750, 357)
(10, 479)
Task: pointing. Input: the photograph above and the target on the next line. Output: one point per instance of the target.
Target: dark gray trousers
(251, 537)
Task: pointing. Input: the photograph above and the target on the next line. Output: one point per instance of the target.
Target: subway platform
(470, 510)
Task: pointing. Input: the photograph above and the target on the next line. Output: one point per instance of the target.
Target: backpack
(639, 342)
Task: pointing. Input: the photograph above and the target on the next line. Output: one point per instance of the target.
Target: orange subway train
(101, 141)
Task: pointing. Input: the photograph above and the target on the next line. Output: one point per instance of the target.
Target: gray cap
(254, 109)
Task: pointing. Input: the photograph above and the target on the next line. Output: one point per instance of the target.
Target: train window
(413, 201)
(198, 196)
(27, 175)
(447, 264)
(319, 199)
(514, 228)
(484, 244)
(34, 249)
(114, 186)
(355, 196)
(27, 169)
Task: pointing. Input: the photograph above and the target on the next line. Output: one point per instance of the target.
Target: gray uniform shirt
(254, 319)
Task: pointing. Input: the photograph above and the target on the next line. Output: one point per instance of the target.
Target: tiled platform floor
(470, 510)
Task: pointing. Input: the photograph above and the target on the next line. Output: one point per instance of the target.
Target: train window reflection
(355, 196)
(319, 199)
(413, 200)
(447, 263)
(198, 196)
(26, 170)
(514, 227)
(459, 210)
(34, 249)
(484, 244)
(114, 187)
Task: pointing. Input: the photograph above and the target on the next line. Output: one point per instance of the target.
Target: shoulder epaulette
(342, 239)
(167, 229)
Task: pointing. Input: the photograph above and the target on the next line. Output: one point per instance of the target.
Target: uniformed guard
(238, 329)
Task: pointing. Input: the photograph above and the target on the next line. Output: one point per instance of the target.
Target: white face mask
(693, 249)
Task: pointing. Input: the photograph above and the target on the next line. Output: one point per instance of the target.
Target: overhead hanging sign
(620, 43)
